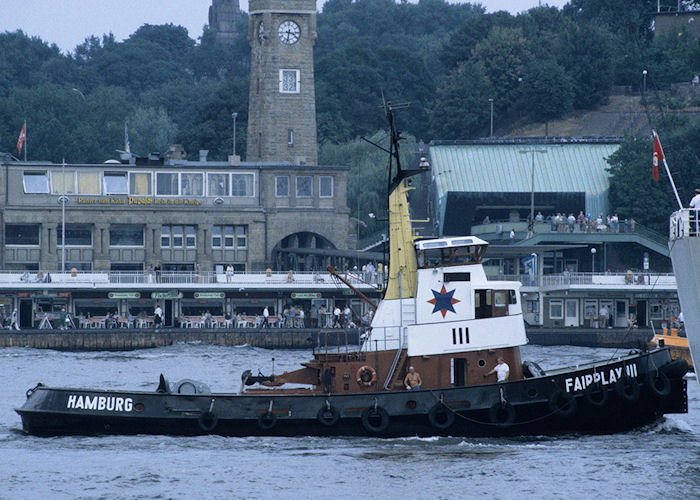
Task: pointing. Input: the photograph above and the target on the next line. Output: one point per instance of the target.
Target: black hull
(536, 406)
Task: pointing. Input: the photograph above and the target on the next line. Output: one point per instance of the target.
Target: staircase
(396, 367)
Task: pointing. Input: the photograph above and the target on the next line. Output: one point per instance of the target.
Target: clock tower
(282, 101)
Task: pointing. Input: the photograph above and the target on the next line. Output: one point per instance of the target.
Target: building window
(191, 184)
(282, 186)
(218, 184)
(22, 234)
(190, 237)
(556, 309)
(77, 235)
(290, 81)
(164, 236)
(176, 236)
(140, 183)
(290, 138)
(167, 184)
(36, 182)
(229, 237)
(116, 183)
(325, 186)
(241, 236)
(89, 183)
(63, 180)
(126, 235)
(304, 185)
(242, 184)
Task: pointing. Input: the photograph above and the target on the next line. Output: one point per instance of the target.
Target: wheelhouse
(446, 252)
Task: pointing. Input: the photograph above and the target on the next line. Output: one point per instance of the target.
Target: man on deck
(412, 380)
(502, 371)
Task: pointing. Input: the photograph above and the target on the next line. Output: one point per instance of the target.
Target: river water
(660, 461)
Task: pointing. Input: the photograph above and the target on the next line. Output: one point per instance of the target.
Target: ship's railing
(383, 338)
(684, 223)
(188, 277)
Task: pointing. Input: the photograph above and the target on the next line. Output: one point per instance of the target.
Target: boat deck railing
(684, 223)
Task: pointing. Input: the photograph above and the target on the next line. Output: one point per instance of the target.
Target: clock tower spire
(282, 101)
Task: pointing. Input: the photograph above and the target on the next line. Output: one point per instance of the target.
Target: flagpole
(673, 184)
(25, 141)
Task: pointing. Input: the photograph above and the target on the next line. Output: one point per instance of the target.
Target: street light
(532, 185)
(644, 83)
(593, 251)
(491, 103)
(234, 116)
(63, 199)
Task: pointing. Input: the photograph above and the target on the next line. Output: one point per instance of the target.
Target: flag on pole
(127, 145)
(22, 138)
(658, 156)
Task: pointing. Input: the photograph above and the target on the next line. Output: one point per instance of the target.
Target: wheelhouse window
(89, 183)
(126, 235)
(218, 184)
(36, 182)
(441, 254)
(77, 235)
(242, 184)
(282, 186)
(192, 184)
(115, 183)
(140, 183)
(61, 181)
(304, 185)
(325, 186)
(167, 184)
(22, 234)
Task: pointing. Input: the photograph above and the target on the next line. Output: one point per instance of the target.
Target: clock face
(261, 32)
(289, 32)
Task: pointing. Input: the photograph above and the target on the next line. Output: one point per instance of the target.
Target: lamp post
(532, 179)
(593, 251)
(491, 129)
(644, 83)
(234, 116)
(63, 200)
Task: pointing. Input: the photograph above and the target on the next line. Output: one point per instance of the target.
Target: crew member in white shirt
(695, 202)
(501, 370)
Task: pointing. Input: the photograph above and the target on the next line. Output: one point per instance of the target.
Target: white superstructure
(684, 244)
(454, 308)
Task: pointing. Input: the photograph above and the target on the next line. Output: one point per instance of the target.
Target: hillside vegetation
(447, 59)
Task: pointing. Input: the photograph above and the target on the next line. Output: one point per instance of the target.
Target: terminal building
(488, 188)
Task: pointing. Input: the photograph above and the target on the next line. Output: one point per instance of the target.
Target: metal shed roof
(500, 167)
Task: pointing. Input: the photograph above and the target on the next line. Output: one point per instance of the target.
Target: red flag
(658, 156)
(22, 138)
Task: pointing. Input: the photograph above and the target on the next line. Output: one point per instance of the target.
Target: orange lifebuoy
(366, 376)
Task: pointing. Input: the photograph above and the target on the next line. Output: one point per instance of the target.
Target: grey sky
(68, 22)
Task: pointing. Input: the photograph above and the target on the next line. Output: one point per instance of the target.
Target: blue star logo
(443, 301)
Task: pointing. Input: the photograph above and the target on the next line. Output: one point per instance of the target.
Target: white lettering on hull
(604, 377)
(99, 403)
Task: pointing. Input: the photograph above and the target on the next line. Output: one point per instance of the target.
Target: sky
(68, 22)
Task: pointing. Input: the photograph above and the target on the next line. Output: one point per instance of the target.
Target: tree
(150, 130)
(503, 55)
(462, 110)
(546, 92)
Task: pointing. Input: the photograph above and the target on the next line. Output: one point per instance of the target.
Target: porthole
(532, 392)
(411, 404)
(138, 407)
(481, 363)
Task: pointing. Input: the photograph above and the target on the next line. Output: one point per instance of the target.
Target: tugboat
(441, 321)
